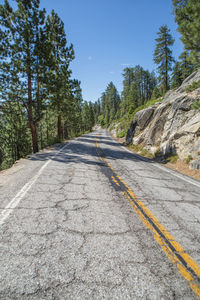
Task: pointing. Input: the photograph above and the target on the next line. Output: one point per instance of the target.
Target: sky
(110, 35)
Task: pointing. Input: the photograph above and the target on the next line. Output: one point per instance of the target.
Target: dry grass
(182, 167)
(176, 164)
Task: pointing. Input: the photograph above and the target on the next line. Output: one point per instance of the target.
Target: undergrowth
(193, 86)
(125, 122)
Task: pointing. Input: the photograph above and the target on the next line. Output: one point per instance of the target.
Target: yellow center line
(187, 267)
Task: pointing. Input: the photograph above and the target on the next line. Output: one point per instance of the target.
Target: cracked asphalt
(73, 235)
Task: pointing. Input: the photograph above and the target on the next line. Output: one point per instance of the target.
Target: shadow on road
(84, 146)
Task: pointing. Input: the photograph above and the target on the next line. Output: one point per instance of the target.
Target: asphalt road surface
(90, 220)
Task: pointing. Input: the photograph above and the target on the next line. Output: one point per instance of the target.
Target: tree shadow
(83, 148)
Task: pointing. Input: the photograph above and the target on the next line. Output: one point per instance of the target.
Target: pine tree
(85, 116)
(187, 16)
(182, 69)
(23, 27)
(60, 56)
(36, 90)
(138, 87)
(177, 75)
(163, 55)
(186, 65)
(111, 101)
(72, 110)
(91, 116)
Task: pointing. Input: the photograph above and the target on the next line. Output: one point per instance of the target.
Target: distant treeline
(40, 103)
(139, 85)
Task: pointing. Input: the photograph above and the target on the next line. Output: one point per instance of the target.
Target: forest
(142, 88)
(41, 104)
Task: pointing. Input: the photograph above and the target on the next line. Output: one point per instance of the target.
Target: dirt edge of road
(180, 165)
(20, 163)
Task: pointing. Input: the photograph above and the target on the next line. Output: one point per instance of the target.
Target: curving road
(90, 220)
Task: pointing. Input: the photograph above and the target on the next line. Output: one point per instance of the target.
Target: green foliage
(121, 134)
(108, 106)
(39, 102)
(182, 69)
(146, 105)
(187, 17)
(124, 123)
(196, 105)
(111, 128)
(163, 56)
(141, 150)
(123, 126)
(193, 86)
(138, 86)
(172, 158)
(156, 93)
(176, 75)
(88, 118)
(101, 120)
(189, 158)
(158, 153)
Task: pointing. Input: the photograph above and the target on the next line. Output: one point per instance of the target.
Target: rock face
(171, 126)
(113, 129)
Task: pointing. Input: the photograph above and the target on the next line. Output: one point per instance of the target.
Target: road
(90, 220)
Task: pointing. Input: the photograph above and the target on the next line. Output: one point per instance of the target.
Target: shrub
(193, 86)
(141, 150)
(196, 105)
(189, 158)
(172, 158)
(121, 134)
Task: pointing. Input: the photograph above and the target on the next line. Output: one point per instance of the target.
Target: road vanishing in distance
(90, 220)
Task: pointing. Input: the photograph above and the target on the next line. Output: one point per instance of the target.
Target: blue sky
(109, 35)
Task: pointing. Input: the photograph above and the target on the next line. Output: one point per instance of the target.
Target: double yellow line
(187, 267)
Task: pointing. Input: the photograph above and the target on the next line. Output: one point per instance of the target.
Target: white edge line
(161, 167)
(20, 195)
(165, 169)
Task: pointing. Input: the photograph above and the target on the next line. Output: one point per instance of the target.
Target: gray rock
(189, 80)
(141, 119)
(172, 126)
(195, 165)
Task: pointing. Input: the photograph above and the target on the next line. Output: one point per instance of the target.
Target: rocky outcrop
(171, 126)
(113, 129)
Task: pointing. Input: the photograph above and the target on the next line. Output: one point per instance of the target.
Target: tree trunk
(30, 117)
(59, 123)
(166, 68)
(41, 137)
(34, 136)
(66, 135)
(47, 127)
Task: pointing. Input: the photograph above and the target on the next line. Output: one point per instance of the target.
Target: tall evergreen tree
(138, 87)
(36, 91)
(182, 69)
(163, 55)
(91, 116)
(60, 56)
(187, 16)
(187, 67)
(85, 116)
(177, 75)
(23, 27)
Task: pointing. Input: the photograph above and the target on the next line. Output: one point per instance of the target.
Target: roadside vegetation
(40, 103)
(143, 88)
(157, 156)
